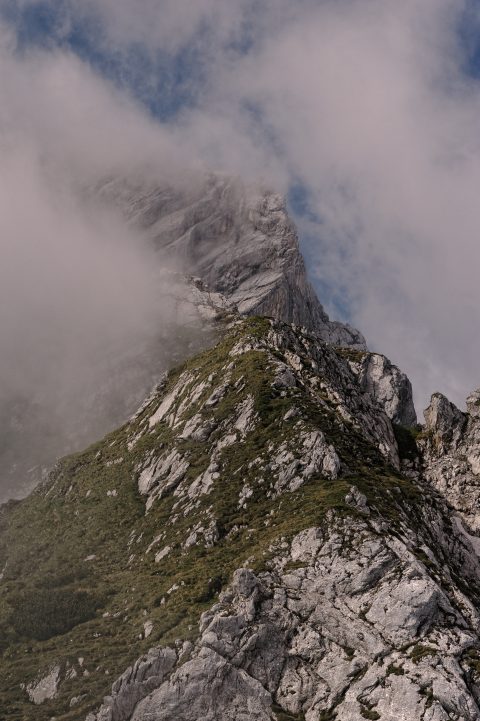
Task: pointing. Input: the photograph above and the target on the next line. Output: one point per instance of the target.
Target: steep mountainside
(271, 537)
(249, 547)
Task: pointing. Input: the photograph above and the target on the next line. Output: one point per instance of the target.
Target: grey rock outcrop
(44, 688)
(362, 616)
(387, 384)
(346, 623)
(301, 364)
(451, 455)
(391, 388)
(444, 422)
(473, 404)
(136, 683)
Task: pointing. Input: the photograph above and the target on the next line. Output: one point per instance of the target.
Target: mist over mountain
(83, 299)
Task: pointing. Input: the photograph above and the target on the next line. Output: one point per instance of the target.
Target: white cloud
(83, 300)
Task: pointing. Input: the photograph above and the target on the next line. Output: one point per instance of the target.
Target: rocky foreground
(271, 537)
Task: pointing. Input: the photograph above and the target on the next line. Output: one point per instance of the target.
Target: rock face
(444, 422)
(387, 384)
(239, 240)
(135, 684)
(44, 688)
(348, 621)
(451, 450)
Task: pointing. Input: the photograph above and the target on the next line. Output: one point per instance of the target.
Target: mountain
(270, 537)
(237, 241)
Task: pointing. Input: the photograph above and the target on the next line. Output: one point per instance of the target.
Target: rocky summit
(237, 238)
(270, 537)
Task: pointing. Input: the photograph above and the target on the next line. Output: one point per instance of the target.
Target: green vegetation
(41, 614)
(427, 562)
(350, 354)
(406, 438)
(420, 651)
(369, 713)
(282, 715)
(328, 715)
(78, 578)
(395, 670)
(472, 660)
(427, 693)
(294, 565)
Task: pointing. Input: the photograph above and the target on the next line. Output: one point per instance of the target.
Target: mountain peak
(239, 239)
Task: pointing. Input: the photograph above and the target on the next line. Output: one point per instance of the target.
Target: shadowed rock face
(239, 240)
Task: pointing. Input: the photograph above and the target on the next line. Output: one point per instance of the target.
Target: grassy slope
(45, 539)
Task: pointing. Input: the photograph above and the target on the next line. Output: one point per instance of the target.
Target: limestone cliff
(238, 239)
(451, 456)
